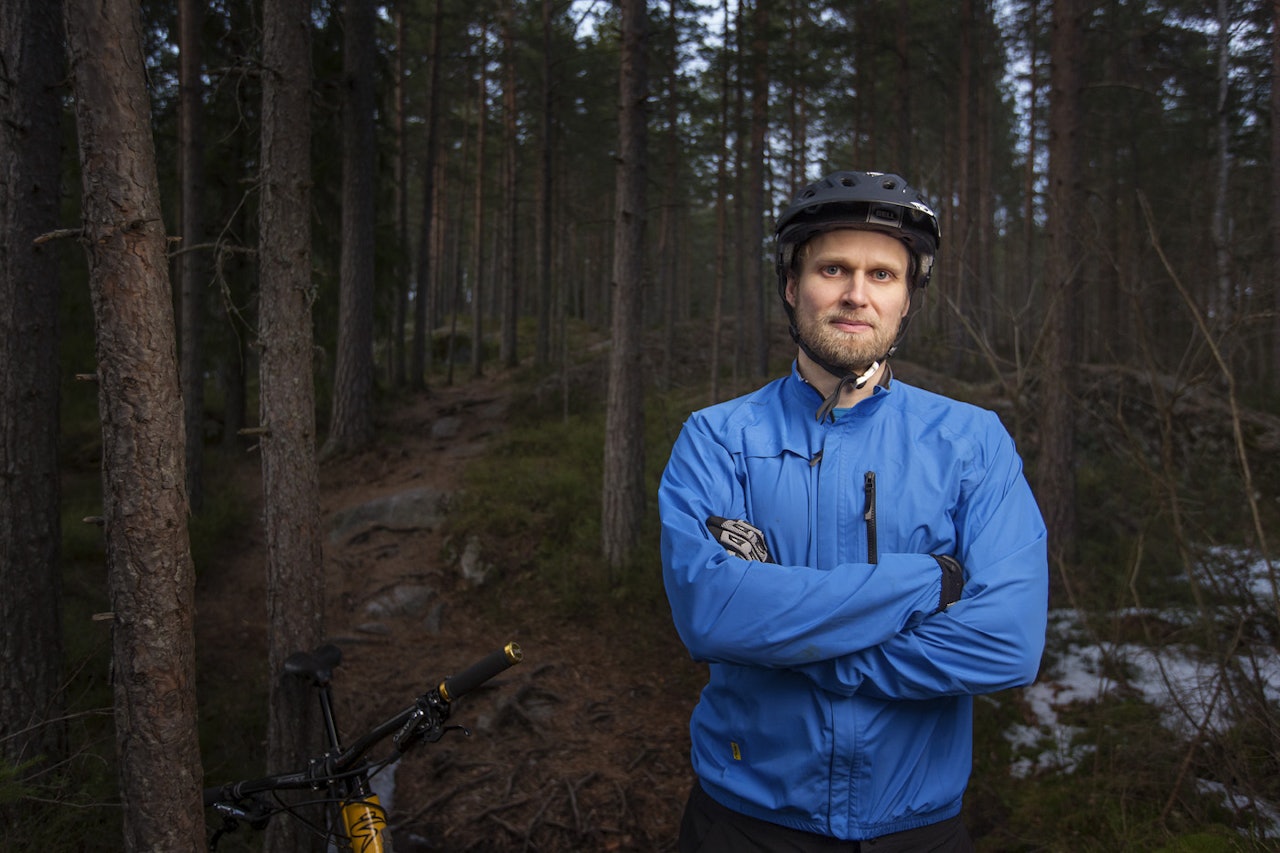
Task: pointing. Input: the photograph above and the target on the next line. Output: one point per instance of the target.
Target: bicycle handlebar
(433, 704)
(457, 686)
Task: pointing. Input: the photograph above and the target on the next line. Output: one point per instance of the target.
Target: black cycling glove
(739, 538)
(952, 581)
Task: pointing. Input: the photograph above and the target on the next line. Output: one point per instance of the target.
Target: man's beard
(850, 353)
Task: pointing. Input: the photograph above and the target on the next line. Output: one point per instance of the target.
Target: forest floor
(583, 746)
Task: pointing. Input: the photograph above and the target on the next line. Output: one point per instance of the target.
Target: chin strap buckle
(828, 406)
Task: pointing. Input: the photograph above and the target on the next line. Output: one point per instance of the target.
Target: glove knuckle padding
(738, 538)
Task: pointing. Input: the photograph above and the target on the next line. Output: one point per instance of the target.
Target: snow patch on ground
(1183, 683)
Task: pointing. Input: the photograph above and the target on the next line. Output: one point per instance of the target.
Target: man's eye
(882, 275)
(831, 269)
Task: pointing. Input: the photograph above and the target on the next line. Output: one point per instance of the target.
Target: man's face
(850, 295)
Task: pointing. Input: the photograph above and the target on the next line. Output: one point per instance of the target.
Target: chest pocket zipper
(869, 515)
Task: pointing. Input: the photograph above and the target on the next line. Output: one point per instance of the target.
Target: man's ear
(790, 291)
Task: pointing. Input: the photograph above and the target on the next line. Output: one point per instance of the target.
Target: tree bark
(351, 422)
(1029, 171)
(32, 56)
(510, 288)
(722, 225)
(668, 254)
(1275, 194)
(191, 269)
(755, 175)
(422, 316)
(290, 478)
(624, 494)
(475, 269)
(150, 575)
(741, 178)
(399, 314)
(1222, 298)
(542, 343)
(960, 239)
(905, 164)
(1057, 426)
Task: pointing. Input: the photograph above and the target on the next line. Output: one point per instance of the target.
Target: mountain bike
(353, 817)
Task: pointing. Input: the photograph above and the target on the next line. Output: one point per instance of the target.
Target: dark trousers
(709, 827)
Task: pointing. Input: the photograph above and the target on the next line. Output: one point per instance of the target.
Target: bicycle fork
(366, 823)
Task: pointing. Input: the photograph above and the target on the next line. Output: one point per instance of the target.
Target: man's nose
(855, 291)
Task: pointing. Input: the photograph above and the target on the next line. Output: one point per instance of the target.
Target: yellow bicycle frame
(366, 823)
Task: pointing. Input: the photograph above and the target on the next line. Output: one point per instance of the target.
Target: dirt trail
(582, 747)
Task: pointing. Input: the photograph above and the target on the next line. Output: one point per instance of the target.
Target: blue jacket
(839, 701)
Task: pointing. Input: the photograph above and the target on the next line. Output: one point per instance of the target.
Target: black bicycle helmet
(874, 201)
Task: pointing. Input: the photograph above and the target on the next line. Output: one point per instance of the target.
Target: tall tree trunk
(399, 315)
(542, 344)
(985, 280)
(150, 575)
(237, 277)
(474, 268)
(422, 317)
(1275, 194)
(191, 268)
(741, 177)
(756, 177)
(1222, 297)
(866, 125)
(903, 146)
(351, 424)
(457, 270)
(510, 291)
(668, 254)
(1029, 171)
(624, 493)
(722, 203)
(31, 54)
(1057, 425)
(797, 134)
(960, 244)
(290, 477)
(231, 382)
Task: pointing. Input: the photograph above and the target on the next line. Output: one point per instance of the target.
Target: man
(855, 559)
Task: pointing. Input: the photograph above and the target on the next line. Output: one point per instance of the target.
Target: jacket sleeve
(993, 637)
(730, 610)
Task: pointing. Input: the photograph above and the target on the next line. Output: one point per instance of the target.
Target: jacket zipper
(869, 515)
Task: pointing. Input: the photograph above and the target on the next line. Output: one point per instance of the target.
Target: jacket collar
(807, 395)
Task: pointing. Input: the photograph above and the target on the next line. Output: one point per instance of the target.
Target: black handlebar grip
(457, 686)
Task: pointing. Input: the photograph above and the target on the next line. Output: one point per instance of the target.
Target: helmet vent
(890, 184)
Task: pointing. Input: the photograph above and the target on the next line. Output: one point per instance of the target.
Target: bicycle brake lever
(404, 738)
(255, 815)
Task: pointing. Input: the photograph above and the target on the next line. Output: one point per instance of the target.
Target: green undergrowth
(533, 504)
(74, 804)
(1123, 797)
(74, 797)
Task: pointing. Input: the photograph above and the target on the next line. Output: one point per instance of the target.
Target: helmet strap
(847, 378)
(828, 407)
